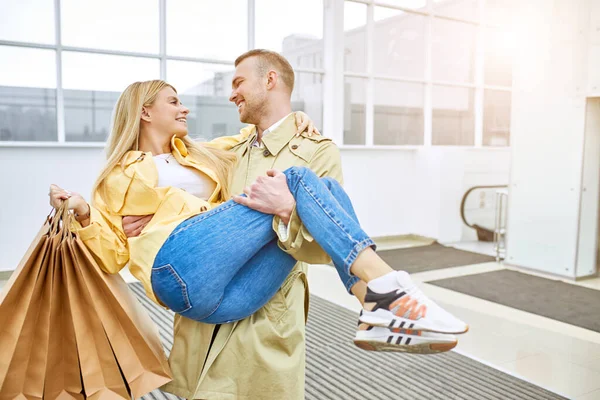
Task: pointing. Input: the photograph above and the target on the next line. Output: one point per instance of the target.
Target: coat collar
(280, 136)
(178, 147)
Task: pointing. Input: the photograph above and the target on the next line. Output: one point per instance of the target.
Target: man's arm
(271, 195)
(297, 241)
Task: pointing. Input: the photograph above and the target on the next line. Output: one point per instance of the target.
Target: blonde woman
(215, 260)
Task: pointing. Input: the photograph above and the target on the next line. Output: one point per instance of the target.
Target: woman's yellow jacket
(131, 189)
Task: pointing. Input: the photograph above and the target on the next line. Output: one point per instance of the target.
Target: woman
(217, 261)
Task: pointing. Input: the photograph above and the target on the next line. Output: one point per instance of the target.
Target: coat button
(266, 153)
(294, 147)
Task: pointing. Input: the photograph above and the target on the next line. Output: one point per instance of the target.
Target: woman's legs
(204, 254)
(393, 300)
(230, 249)
(198, 262)
(252, 286)
(322, 202)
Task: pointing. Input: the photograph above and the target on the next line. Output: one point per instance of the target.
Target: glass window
(205, 90)
(92, 83)
(20, 66)
(461, 9)
(308, 96)
(496, 118)
(355, 42)
(88, 114)
(355, 90)
(499, 48)
(399, 43)
(104, 72)
(453, 51)
(131, 25)
(294, 37)
(27, 94)
(412, 4)
(27, 21)
(398, 113)
(453, 116)
(207, 29)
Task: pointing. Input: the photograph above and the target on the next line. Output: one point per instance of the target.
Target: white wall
(394, 191)
(587, 245)
(548, 115)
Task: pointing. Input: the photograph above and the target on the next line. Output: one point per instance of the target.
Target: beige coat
(263, 356)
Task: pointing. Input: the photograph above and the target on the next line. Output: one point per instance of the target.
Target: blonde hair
(125, 132)
(270, 59)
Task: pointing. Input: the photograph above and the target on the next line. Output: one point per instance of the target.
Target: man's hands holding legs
(270, 195)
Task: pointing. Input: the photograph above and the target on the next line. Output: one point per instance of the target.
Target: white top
(171, 173)
(268, 130)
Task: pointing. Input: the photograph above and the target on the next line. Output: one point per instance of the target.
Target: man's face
(249, 91)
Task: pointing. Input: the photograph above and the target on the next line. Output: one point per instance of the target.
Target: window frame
(334, 48)
(162, 56)
(333, 71)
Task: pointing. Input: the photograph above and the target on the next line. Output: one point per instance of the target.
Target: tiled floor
(557, 356)
(551, 354)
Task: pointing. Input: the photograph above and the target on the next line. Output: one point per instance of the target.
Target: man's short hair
(268, 59)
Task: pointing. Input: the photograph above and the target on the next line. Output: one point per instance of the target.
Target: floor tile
(595, 395)
(554, 373)
(500, 336)
(486, 248)
(456, 272)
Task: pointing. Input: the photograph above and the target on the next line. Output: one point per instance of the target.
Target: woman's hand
(305, 124)
(75, 201)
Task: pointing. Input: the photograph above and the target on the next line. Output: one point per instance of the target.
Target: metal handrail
(483, 233)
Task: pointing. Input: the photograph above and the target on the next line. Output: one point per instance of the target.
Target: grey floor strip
(575, 305)
(337, 370)
(432, 257)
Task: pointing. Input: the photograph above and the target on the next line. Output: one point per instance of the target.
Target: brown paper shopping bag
(132, 334)
(63, 375)
(16, 301)
(22, 314)
(68, 330)
(100, 372)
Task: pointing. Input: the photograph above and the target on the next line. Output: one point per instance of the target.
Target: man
(263, 356)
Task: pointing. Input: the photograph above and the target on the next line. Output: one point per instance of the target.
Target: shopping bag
(20, 304)
(99, 369)
(133, 335)
(63, 375)
(68, 330)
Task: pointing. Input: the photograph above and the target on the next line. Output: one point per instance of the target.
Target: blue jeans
(225, 264)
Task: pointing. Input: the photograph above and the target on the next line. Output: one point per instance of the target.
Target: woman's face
(167, 114)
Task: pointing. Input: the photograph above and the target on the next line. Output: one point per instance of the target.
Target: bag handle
(58, 215)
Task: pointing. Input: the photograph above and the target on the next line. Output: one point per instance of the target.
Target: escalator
(485, 230)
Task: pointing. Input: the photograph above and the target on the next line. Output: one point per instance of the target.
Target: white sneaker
(374, 338)
(408, 308)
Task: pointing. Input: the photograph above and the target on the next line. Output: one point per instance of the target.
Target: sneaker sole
(424, 348)
(386, 319)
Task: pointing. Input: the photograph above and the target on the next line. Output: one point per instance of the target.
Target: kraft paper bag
(99, 369)
(19, 314)
(16, 301)
(70, 331)
(63, 375)
(133, 335)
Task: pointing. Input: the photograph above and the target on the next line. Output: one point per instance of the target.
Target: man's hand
(270, 195)
(134, 224)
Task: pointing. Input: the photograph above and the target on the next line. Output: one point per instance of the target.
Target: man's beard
(254, 111)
